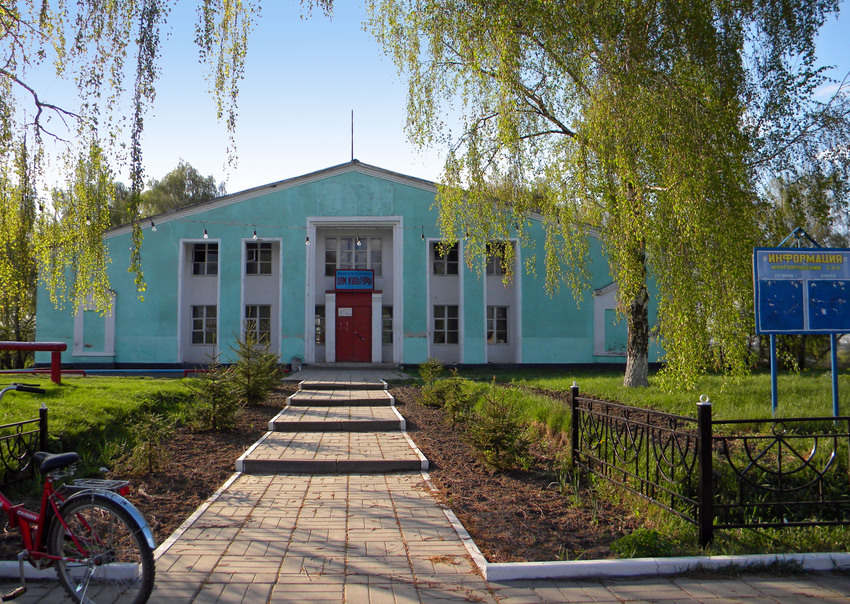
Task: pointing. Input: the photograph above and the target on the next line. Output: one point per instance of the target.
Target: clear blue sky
(303, 79)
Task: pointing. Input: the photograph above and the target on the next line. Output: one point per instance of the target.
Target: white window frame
(254, 324)
(493, 324)
(206, 264)
(254, 252)
(206, 329)
(445, 331)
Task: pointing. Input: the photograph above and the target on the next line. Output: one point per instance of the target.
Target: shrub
(430, 370)
(256, 372)
(150, 431)
(497, 431)
(457, 402)
(217, 405)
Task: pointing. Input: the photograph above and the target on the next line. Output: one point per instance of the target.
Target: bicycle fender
(135, 514)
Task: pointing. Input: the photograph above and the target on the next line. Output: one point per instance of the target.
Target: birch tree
(110, 52)
(647, 123)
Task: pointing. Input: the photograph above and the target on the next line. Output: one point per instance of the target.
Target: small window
(330, 256)
(375, 256)
(495, 259)
(205, 259)
(258, 322)
(497, 324)
(361, 253)
(204, 324)
(258, 258)
(444, 264)
(445, 324)
(320, 325)
(387, 325)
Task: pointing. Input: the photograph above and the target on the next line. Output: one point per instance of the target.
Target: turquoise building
(337, 266)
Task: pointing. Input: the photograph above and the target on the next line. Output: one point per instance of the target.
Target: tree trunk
(637, 348)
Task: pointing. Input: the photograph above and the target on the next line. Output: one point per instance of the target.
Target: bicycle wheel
(114, 562)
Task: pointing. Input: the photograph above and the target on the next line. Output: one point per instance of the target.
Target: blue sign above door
(355, 280)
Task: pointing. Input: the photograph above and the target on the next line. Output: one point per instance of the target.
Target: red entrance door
(354, 328)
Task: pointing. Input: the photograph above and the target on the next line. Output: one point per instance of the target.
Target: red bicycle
(98, 542)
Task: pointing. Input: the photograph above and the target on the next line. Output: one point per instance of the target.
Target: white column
(330, 327)
(377, 315)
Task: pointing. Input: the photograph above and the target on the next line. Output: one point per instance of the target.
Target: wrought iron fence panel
(649, 453)
(795, 474)
(18, 442)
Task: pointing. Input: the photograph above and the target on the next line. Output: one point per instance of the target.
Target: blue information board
(801, 291)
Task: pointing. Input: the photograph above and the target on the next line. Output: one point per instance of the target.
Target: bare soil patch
(513, 516)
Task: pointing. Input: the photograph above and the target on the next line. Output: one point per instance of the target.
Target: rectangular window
(320, 325)
(495, 259)
(497, 324)
(387, 325)
(345, 256)
(360, 253)
(258, 258)
(445, 324)
(205, 259)
(330, 256)
(204, 324)
(258, 322)
(375, 256)
(444, 264)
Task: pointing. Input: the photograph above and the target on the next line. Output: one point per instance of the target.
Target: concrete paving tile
(381, 537)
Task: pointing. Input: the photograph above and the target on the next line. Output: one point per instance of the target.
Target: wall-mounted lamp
(153, 226)
(423, 233)
(206, 235)
(254, 236)
(307, 240)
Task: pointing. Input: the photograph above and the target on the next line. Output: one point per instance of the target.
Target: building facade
(344, 265)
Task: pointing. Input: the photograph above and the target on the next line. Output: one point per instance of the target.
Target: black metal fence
(757, 473)
(18, 442)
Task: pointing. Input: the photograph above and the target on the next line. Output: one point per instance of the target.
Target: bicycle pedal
(18, 591)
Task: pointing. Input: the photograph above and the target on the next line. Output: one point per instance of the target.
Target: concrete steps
(335, 428)
(338, 397)
(337, 418)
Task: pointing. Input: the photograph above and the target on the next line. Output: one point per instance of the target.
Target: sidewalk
(315, 535)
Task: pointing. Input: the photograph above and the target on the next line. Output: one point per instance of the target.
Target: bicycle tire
(120, 567)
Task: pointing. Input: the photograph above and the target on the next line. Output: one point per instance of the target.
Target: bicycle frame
(26, 520)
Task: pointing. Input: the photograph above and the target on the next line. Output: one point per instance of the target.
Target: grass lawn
(807, 394)
(86, 414)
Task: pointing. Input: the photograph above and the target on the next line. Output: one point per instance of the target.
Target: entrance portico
(354, 273)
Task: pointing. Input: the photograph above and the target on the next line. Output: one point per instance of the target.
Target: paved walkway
(316, 535)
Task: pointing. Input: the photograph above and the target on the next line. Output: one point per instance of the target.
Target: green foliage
(217, 403)
(17, 260)
(498, 432)
(72, 236)
(256, 372)
(449, 393)
(150, 431)
(457, 400)
(111, 53)
(647, 126)
(430, 370)
(642, 543)
(181, 187)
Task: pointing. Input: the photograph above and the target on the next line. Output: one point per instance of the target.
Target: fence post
(705, 492)
(574, 420)
(42, 428)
